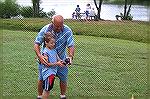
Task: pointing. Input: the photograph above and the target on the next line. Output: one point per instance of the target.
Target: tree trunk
(125, 9)
(129, 9)
(36, 7)
(98, 8)
(95, 4)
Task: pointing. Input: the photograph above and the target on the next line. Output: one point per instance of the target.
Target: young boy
(53, 61)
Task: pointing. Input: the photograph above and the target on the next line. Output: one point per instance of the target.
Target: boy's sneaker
(39, 98)
(63, 98)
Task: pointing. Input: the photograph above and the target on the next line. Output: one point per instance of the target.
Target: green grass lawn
(103, 68)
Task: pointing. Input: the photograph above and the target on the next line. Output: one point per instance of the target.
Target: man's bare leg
(63, 88)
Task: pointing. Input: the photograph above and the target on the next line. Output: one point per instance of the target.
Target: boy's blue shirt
(52, 58)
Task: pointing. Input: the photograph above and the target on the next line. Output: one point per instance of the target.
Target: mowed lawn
(103, 68)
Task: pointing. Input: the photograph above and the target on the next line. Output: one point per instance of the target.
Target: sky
(24, 2)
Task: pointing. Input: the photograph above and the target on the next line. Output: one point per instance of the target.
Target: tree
(127, 7)
(2, 9)
(36, 7)
(26, 11)
(9, 8)
(42, 14)
(98, 7)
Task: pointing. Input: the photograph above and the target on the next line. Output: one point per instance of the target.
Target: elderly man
(64, 40)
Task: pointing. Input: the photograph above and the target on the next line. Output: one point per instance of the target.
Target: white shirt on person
(92, 12)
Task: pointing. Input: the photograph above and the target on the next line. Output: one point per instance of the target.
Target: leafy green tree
(2, 12)
(9, 8)
(26, 11)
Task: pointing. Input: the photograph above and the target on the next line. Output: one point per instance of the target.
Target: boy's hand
(69, 60)
(60, 63)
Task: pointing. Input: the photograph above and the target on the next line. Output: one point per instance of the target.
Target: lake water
(108, 12)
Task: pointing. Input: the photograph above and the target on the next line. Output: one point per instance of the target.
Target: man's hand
(40, 57)
(71, 53)
(43, 60)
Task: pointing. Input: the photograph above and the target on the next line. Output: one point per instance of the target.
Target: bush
(26, 11)
(8, 9)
